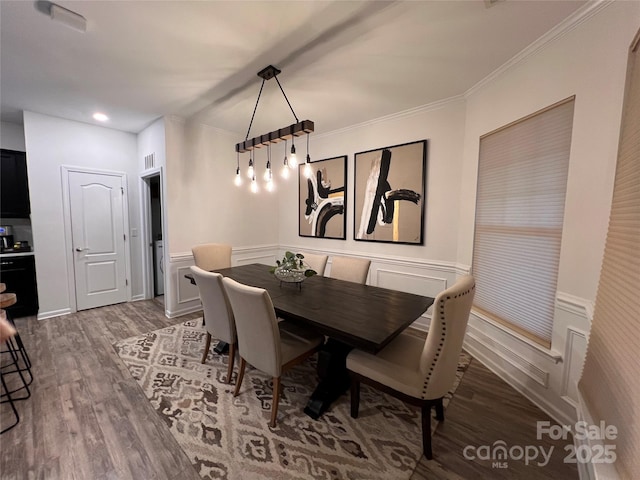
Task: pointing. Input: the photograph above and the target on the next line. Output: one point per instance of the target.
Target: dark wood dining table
(351, 315)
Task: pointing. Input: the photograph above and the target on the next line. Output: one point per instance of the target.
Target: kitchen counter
(15, 254)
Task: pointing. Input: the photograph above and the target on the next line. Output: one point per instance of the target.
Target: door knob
(81, 249)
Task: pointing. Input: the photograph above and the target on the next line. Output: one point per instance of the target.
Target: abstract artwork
(390, 194)
(322, 201)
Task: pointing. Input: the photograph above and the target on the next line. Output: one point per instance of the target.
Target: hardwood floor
(88, 419)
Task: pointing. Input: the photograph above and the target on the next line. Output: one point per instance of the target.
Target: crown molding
(564, 27)
(393, 116)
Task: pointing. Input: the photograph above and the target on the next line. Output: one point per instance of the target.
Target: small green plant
(293, 261)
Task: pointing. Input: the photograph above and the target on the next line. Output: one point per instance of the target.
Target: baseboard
(53, 313)
(182, 311)
(137, 298)
(590, 470)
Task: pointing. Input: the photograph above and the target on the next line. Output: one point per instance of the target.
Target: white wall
(442, 126)
(590, 63)
(12, 136)
(50, 143)
(204, 205)
(151, 142)
(587, 60)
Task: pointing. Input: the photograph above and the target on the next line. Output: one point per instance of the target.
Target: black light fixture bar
(285, 133)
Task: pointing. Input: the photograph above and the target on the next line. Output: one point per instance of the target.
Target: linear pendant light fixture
(288, 132)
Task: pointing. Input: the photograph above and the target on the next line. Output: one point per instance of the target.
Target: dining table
(350, 315)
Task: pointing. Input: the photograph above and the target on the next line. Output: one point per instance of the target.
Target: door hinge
(122, 190)
(125, 237)
(126, 282)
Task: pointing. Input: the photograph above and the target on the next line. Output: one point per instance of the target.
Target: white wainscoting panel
(575, 351)
(410, 282)
(547, 377)
(182, 297)
(509, 355)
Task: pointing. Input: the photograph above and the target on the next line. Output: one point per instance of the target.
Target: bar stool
(7, 300)
(14, 387)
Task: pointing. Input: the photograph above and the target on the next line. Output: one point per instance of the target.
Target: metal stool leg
(21, 349)
(13, 351)
(10, 400)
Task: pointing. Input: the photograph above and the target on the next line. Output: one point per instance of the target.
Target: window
(610, 384)
(522, 180)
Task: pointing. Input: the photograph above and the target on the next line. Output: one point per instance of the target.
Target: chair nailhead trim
(442, 339)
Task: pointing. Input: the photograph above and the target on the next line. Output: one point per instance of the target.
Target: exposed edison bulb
(308, 171)
(254, 185)
(270, 185)
(238, 179)
(250, 170)
(267, 173)
(285, 171)
(293, 161)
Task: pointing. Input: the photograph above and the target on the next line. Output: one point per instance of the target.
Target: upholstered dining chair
(316, 262)
(350, 269)
(212, 256)
(419, 372)
(264, 342)
(217, 309)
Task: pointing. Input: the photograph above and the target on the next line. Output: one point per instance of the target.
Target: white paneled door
(97, 228)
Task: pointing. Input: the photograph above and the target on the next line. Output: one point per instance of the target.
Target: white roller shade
(522, 180)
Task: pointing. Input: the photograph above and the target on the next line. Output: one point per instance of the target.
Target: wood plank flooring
(88, 419)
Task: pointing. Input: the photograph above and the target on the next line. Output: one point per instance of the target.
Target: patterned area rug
(229, 438)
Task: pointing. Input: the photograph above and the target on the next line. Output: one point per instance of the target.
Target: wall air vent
(150, 161)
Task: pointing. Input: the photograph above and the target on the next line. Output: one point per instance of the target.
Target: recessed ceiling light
(101, 117)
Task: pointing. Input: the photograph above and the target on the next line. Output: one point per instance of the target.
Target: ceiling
(342, 62)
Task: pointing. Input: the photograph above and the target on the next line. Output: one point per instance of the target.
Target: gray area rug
(229, 438)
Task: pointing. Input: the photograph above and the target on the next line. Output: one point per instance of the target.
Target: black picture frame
(390, 194)
(322, 212)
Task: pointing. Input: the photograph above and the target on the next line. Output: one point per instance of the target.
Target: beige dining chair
(264, 342)
(419, 372)
(318, 263)
(217, 309)
(212, 256)
(350, 269)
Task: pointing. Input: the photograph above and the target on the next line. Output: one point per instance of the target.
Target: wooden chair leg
(206, 348)
(439, 410)
(275, 401)
(426, 430)
(243, 363)
(355, 397)
(232, 357)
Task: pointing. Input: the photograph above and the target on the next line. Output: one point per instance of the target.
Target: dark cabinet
(14, 185)
(18, 273)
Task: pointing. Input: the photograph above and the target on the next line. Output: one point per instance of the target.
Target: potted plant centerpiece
(292, 268)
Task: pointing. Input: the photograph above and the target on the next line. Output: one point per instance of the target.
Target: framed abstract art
(322, 199)
(390, 188)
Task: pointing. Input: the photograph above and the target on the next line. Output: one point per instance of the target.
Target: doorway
(154, 237)
(96, 219)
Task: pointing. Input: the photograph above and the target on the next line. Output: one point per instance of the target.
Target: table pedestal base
(222, 348)
(332, 369)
